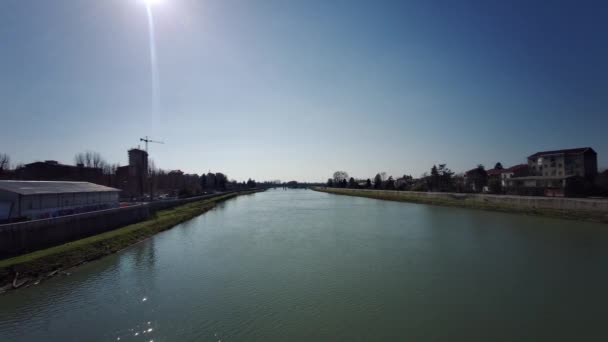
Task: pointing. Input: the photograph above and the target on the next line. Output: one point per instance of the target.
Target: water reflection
(300, 265)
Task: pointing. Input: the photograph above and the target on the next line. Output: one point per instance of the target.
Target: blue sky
(279, 89)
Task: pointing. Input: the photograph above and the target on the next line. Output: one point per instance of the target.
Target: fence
(23, 237)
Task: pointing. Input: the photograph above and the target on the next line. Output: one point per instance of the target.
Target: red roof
(473, 171)
(495, 172)
(566, 151)
(516, 168)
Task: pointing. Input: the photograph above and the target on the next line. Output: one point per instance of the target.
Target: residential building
(362, 184)
(494, 172)
(502, 175)
(44, 199)
(494, 184)
(550, 186)
(557, 173)
(476, 179)
(520, 170)
(581, 162)
(175, 181)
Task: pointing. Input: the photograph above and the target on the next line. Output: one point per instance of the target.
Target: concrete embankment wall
(578, 208)
(23, 237)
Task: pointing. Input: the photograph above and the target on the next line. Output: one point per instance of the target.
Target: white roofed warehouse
(44, 199)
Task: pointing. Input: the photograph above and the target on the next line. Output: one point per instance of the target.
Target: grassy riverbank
(29, 268)
(465, 201)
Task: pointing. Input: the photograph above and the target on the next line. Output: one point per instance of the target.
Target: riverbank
(563, 208)
(30, 269)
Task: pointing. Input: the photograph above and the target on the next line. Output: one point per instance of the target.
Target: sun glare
(151, 2)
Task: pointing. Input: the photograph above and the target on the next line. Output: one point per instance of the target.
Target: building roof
(48, 187)
(137, 150)
(579, 150)
(540, 178)
(56, 164)
(474, 171)
(517, 167)
(494, 172)
(49, 163)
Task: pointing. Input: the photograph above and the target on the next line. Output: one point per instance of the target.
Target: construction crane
(151, 188)
(148, 140)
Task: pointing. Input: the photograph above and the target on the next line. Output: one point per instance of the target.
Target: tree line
(440, 178)
(174, 182)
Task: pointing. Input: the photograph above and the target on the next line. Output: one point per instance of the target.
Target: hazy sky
(298, 89)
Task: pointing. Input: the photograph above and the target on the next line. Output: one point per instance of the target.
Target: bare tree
(383, 176)
(153, 178)
(97, 161)
(340, 176)
(79, 159)
(5, 161)
(90, 159)
(110, 169)
(152, 169)
(378, 181)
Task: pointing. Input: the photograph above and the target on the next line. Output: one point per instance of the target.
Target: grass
(40, 263)
(412, 197)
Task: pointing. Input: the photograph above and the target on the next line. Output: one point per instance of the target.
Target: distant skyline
(279, 89)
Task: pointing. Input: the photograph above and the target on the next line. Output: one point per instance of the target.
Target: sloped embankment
(563, 208)
(31, 268)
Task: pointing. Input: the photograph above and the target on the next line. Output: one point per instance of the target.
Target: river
(300, 265)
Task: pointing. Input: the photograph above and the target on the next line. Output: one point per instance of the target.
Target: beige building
(581, 162)
(566, 172)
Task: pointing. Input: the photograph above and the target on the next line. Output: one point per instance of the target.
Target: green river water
(300, 265)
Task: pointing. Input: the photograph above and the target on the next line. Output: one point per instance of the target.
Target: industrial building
(44, 199)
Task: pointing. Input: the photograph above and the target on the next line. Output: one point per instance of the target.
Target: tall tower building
(138, 170)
